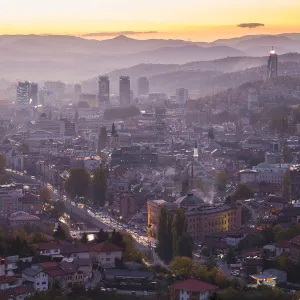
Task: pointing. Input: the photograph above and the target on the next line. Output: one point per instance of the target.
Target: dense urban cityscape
(117, 188)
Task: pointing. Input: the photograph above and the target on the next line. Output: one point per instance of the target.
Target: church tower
(114, 138)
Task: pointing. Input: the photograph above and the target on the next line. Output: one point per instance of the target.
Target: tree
(24, 148)
(185, 187)
(164, 236)
(184, 246)
(58, 210)
(102, 236)
(183, 266)
(77, 183)
(179, 228)
(45, 197)
(38, 237)
(84, 239)
(242, 192)
(99, 185)
(287, 152)
(230, 256)
(60, 233)
(286, 186)
(2, 163)
(117, 239)
(211, 262)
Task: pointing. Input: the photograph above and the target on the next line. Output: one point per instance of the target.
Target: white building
(105, 254)
(7, 267)
(182, 95)
(36, 277)
(233, 239)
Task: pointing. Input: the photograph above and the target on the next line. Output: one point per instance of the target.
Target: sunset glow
(191, 19)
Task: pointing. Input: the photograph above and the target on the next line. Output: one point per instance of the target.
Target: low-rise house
(36, 277)
(75, 250)
(17, 293)
(105, 254)
(7, 267)
(82, 264)
(7, 282)
(48, 249)
(191, 289)
(281, 276)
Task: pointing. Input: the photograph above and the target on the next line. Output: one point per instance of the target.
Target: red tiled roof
(47, 265)
(16, 291)
(55, 272)
(296, 240)
(48, 246)
(283, 244)
(193, 285)
(7, 279)
(105, 247)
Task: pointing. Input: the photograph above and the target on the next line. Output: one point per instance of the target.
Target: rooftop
(193, 285)
(106, 247)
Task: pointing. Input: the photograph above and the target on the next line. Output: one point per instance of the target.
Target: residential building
(134, 156)
(182, 95)
(7, 267)
(105, 254)
(233, 239)
(191, 289)
(131, 276)
(124, 91)
(36, 277)
(48, 249)
(31, 204)
(55, 88)
(21, 292)
(103, 89)
(9, 195)
(8, 282)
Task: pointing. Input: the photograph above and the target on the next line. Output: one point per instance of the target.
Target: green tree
(45, 197)
(287, 152)
(77, 183)
(184, 246)
(179, 227)
(221, 178)
(84, 239)
(58, 210)
(99, 185)
(286, 186)
(61, 233)
(38, 237)
(164, 236)
(242, 191)
(24, 148)
(211, 262)
(102, 236)
(230, 256)
(116, 238)
(183, 266)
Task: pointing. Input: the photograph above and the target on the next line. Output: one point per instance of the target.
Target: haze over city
(150, 149)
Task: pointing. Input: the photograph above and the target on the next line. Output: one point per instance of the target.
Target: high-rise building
(33, 93)
(272, 64)
(103, 89)
(56, 88)
(182, 95)
(124, 90)
(143, 86)
(27, 93)
(77, 92)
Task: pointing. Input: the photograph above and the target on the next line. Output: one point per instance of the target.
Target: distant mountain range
(201, 76)
(69, 58)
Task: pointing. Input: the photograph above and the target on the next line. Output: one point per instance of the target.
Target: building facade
(103, 89)
(124, 90)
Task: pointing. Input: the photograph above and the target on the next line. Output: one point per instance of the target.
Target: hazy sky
(190, 19)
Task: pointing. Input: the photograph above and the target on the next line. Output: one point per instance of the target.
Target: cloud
(115, 33)
(251, 25)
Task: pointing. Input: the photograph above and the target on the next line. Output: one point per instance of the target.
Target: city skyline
(150, 19)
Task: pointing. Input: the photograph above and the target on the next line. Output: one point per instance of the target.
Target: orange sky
(189, 19)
